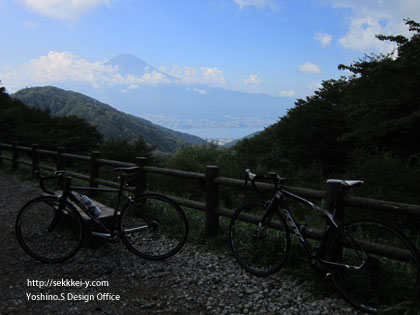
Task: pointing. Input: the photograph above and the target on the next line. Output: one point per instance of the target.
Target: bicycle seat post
(123, 175)
(67, 183)
(66, 187)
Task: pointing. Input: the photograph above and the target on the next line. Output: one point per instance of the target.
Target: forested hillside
(18, 122)
(109, 121)
(28, 125)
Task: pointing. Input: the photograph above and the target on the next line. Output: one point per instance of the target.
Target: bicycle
(50, 228)
(372, 264)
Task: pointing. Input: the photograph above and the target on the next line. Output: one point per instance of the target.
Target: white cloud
(289, 93)
(362, 36)
(61, 9)
(259, 4)
(213, 75)
(309, 67)
(323, 38)
(64, 66)
(381, 9)
(252, 80)
(150, 78)
(204, 75)
(369, 18)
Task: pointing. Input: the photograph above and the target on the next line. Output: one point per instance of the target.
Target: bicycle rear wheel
(388, 280)
(261, 248)
(155, 228)
(47, 233)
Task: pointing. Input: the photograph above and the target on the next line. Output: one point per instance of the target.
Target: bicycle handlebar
(278, 181)
(59, 175)
(251, 175)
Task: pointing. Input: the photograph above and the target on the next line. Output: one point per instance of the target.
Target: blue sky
(282, 48)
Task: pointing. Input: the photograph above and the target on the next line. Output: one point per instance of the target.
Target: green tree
(311, 130)
(19, 122)
(194, 158)
(383, 98)
(122, 150)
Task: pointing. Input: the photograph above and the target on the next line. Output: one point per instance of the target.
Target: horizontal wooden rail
(174, 173)
(381, 205)
(46, 167)
(24, 149)
(77, 175)
(75, 157)
(114, 163)
(47, 152)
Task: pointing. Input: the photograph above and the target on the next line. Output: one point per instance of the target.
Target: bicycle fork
(58, 214)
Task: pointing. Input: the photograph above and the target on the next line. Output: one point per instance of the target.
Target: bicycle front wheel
(48, 233)
(154, 227)
(260, 247)
(388, 276)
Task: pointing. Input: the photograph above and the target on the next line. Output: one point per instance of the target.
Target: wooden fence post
(94, 170)
(35, 159)
(140, 176)
(334, 196)
(15, 156)
(212, 200)
(61, 162)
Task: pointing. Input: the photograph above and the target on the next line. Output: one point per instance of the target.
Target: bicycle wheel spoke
(260, 249)
(156, 228)
(46, 233)
(136, 229)
(386, 281)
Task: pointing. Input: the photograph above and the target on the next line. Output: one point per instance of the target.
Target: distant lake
(218, 133)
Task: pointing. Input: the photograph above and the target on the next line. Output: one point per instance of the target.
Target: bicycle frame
(110, 234)
(278, 200)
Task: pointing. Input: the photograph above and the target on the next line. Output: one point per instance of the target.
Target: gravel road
(194, 281)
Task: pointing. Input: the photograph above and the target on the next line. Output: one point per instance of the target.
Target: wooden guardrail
(210, 180)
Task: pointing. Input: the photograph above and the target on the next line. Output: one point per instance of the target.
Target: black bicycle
(374, 265)
(50, 228)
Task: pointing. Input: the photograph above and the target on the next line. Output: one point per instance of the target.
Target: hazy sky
(280, 47)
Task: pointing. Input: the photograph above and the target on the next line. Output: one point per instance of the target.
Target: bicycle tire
(160, 239)
(260, 254)
(385, 283)
(46, 234)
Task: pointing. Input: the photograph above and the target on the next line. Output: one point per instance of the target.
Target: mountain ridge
(108, 120)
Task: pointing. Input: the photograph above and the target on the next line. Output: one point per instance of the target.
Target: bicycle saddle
(348, 183)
